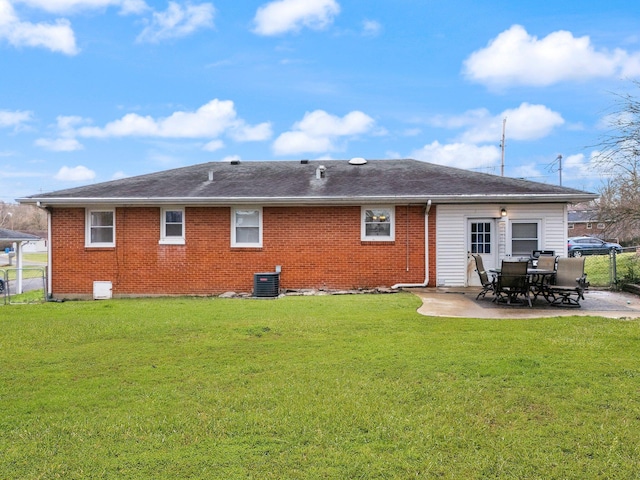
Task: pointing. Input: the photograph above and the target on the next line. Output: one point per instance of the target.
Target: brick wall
(317, 247)
(580, 229)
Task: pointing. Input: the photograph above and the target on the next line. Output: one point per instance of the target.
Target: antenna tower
(504, 126)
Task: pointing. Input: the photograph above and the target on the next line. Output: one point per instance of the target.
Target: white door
(481, 239)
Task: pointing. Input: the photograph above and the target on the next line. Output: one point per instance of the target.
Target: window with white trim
(246, 227)
(525, 238)
(172, 226)
(100, 228)
(378, 224)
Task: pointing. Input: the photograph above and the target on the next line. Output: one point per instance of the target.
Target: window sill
(178, 241)
(377, 242)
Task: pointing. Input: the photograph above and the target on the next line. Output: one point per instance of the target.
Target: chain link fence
(23, 285)
(615, 270)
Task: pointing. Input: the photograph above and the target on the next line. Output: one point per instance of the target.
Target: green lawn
(313, 387)
(598, 269)
(36, 257)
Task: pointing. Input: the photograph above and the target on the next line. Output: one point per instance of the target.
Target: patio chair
(487, 285)
(512, 282)
(536, 254)
(570, 283)
(543, 274)
(546, 262)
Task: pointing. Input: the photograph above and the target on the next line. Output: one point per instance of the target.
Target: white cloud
(209, 121)
(72, 6)
(320, 123)
(59, 144)
(248, 133)
(526, 122)
(177, 21)
(290, 143)
(515, 57)
(75, 174)
(213, 145)
(576, 166)
(371, 28)
(284, 16)
(411, 132)
(460, 155)
(67, 123)
(57, 36)
(14, 119)
(318, 131)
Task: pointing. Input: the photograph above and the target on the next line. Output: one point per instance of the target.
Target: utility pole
(552, 164)
(504, 125)
(560, 168)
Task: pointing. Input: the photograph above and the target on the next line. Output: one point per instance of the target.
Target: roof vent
(304, 162)
(357, 161)
(321, 172)
(210, 175)
(235, 162)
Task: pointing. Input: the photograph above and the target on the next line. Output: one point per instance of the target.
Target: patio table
(538, 280)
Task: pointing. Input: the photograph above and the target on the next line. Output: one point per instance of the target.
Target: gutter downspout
(426, 253)
(49, 252)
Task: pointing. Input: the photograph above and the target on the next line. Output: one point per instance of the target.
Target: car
(579, 246)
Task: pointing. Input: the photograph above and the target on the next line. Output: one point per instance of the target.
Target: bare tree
(619, 158)
(23, 218)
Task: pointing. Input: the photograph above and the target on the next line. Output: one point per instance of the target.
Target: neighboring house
(583, 223)
(36, 246)
(333, 224)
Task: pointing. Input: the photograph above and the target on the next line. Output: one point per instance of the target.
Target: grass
(598, 268)
(40, 257)
(32, 296)
(313, 387)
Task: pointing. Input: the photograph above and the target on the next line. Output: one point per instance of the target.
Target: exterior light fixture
(503, 212)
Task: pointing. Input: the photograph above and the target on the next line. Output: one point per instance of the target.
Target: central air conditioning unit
(266, 285)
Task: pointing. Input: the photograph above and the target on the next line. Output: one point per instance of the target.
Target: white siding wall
(452, 264)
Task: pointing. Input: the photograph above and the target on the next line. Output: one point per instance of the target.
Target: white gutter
(426, 253)
(315, 200)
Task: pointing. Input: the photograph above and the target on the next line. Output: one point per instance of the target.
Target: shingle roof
(582, 216)
(296, 181)
(7, 235)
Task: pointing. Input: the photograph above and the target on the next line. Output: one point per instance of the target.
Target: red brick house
(335, 224)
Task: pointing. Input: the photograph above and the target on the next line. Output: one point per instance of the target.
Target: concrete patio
(461, 302)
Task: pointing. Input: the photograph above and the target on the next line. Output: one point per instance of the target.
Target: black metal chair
(512, 282)
(569, 284)
(488, 285)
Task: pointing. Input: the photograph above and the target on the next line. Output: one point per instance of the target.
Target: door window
(480, 241)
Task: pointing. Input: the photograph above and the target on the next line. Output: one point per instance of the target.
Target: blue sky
(94, 90)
